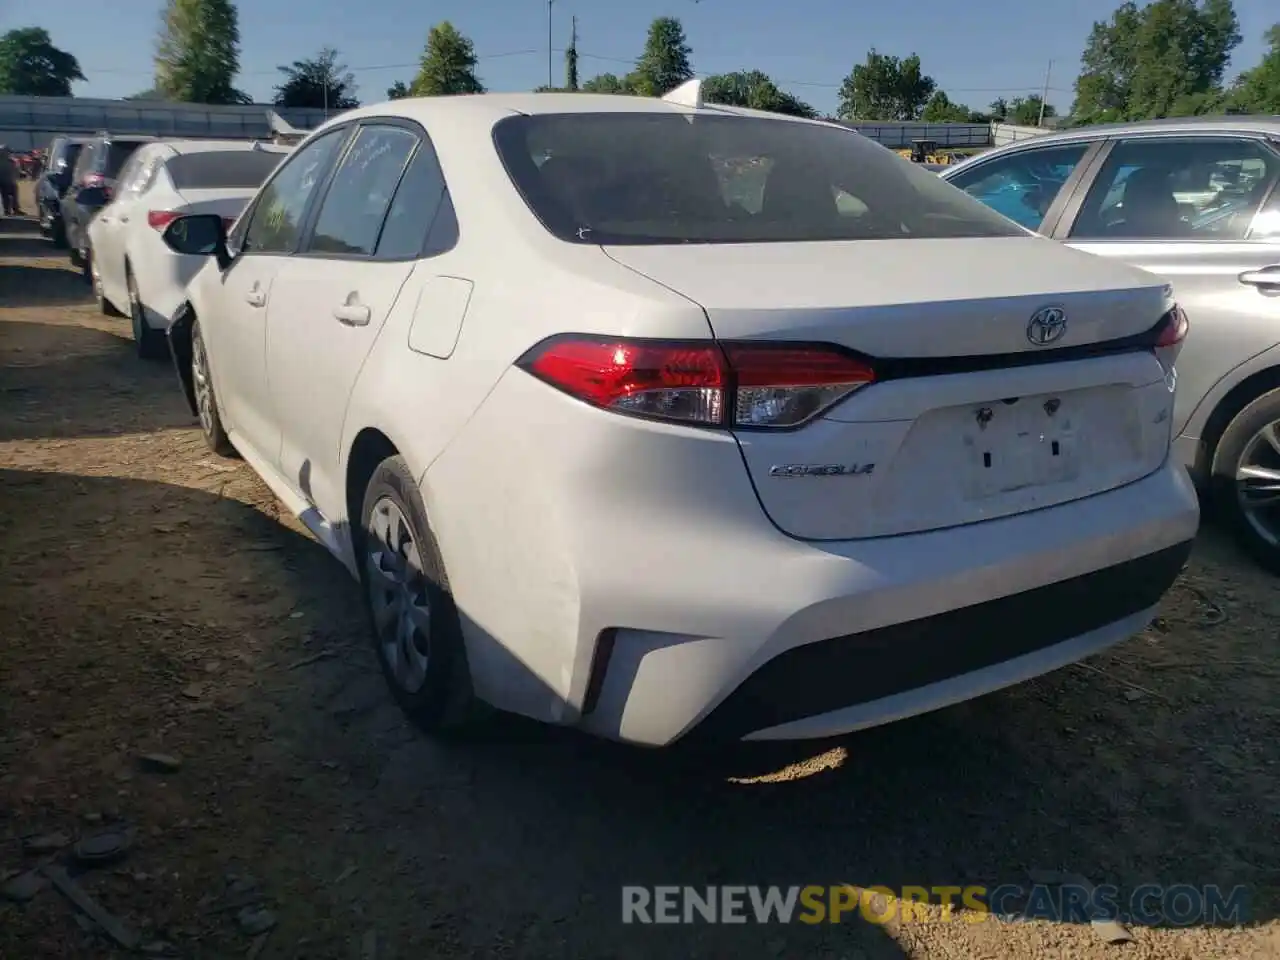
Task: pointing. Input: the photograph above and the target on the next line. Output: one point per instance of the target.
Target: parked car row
(107, 199)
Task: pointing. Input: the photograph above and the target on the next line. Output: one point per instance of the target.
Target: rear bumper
(621, 577)
(863, 679)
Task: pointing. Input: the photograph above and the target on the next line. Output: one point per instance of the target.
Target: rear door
(330, 301)
(1200, 211)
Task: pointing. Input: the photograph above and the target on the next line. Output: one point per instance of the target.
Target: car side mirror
(199, 235)
(92, 197)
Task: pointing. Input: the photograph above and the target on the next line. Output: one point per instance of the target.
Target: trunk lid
(938, 448)
(868, 295)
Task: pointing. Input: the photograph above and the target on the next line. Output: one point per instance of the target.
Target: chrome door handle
(255, 298)
(352, 314)
(1268, 276)
(124, 219)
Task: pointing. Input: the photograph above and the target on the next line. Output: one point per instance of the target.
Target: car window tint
(352, 211)
(276, 222)
(223, 169)
(657, 178)
(84, 163)
(413, 208)
(1022, 185)
(1191, 189)
(117, 153)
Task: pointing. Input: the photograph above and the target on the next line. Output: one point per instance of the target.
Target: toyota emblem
(1047, 326)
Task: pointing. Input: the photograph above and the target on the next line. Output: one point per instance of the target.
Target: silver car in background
(1196, 201)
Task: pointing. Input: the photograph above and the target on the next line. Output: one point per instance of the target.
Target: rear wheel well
(369, 449)
(1237, 398)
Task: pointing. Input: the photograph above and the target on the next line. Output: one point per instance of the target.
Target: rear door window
(353, 210)
(1192, 188)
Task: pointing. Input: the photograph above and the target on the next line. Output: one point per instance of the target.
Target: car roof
(489, 108)
(222, 146)
(1225, 124)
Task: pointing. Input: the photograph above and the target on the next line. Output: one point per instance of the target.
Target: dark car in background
(93, 182)
(60, 161)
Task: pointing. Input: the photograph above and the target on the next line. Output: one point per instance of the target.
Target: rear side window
(84, 162)
(223, 169)
(1022, 185)
(662, 178)
(117, 153)
(352, 212)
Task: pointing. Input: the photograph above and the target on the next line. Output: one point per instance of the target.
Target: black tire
(105, 306)
(215, 436)
(1243, 436)
(149, 343)
(444, 704)
(73, 254)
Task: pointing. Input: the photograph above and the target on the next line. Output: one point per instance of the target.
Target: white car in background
(612, 441)
(134, 272)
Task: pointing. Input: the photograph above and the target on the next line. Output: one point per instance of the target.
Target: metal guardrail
(27, 122)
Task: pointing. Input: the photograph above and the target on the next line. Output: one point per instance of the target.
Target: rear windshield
(222, 169)
(70, 152)
(118, 151)
(661, 178)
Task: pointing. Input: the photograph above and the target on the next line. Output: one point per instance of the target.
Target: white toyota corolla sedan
(663, 419)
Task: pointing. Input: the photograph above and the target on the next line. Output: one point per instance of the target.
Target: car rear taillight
(740, 385)
(1173, 328)
(159, 219)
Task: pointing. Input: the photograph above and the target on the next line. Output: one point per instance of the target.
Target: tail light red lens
(1173, 329)
(159, 219)
(741, 385)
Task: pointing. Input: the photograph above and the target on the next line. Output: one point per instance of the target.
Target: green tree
(1164, 59)
(1258, 90)
(606, 83)
(753, 89)
(151, 94)
(398, 91)
(885, 88)
(320, 82)
(664, 64)
(998, 110)
(448, 64)
(198, 52)
(1025, 111)
(31, 66)
(941, 109)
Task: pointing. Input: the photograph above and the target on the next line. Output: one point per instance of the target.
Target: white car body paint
(561, 523)
(120, 234)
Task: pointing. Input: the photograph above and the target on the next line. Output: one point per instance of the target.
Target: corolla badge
(1047, 326)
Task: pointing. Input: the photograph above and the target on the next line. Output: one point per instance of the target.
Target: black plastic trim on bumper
(858, 668)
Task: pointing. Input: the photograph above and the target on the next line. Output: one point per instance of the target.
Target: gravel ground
(157, 602)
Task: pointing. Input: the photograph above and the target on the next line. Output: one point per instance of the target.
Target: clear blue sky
(977, 50)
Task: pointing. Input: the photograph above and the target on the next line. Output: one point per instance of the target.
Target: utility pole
(571, 56)
(1044, 96)
(551, 80)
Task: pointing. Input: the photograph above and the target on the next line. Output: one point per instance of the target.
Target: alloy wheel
(398, 595)
(201, 384)
(1258, 483)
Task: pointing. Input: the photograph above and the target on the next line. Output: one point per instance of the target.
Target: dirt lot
(155, 600)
